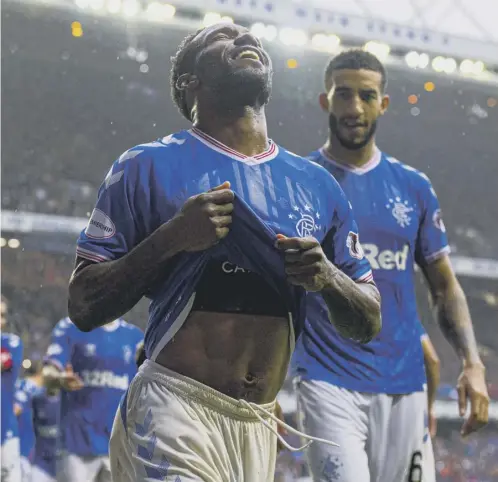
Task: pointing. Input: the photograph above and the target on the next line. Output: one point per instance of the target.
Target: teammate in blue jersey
(46, 417)
(191, 221)
(370, 398)
(93, 370)
(11, 350)
(26, 388)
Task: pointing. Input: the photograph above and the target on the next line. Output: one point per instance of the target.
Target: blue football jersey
(275, 192)
(11, 364)
(46, 418)
(25, 390)
(105, 361)
(400, 224)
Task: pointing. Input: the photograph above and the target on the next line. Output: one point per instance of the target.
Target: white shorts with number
(25, 469)
(175, 429)
(382, 438)
(11, 460)
(73, 468)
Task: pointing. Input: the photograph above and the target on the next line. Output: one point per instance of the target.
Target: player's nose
(355, 106)
(246, 38)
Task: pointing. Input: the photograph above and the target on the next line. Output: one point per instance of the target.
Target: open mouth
(248, 54)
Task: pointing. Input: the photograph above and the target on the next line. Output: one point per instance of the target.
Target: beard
(234, 88)
(346, 143)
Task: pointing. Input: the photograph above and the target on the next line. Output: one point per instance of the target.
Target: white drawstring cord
(255, 408)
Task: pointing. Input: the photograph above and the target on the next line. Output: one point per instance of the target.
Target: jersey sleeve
(116, 224)
(342, 243)
(61, 345)
(432, 242)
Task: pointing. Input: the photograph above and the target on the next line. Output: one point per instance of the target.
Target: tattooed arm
(452, 313)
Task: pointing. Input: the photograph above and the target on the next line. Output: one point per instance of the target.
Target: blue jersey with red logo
(46, 419)
(25, 391)
(105, 361)
(275, 192)
(400, 224)
(11, 365)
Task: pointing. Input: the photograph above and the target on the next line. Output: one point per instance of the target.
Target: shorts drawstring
(254, 407)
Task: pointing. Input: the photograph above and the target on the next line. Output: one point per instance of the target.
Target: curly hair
(182, 62)
(355, 59)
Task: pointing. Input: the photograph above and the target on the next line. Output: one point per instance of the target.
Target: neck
(341, 154)
(246, 133)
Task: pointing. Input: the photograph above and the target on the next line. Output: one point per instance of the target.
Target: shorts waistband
(205, 395)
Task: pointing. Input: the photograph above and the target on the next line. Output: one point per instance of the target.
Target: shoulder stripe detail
(438, 254)
(90, 255)
(366, 278)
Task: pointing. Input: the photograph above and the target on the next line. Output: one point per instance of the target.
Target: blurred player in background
(27, 387)
(93, 370)
(370, 398)
(222, 320)
(46, 418)
(11, 360)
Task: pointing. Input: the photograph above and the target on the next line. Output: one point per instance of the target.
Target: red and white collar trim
(370, 165)
(218, 146)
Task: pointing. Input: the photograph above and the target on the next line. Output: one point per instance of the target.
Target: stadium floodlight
(96, 4)
(412, 59)
(423, 61)
(82, 3)
(130, 8)
(478, 68)
(211, 18)
(293, 36)
(13, 243)
(466, 66)
(157, 11)
(258, 30)
(438, 63)
(379, 49)
(450, 65)
(3, 242)
(325, 43)
(113, 6)
(226, 19)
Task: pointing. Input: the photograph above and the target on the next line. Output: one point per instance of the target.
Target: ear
(384, 104)
(323, 100)
(187, 82)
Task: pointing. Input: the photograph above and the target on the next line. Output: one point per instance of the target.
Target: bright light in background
(479, 68)
(291, 63)
(114, 6)
(450, 65)
(429, 86)
(264, 32)
(325, 43)
(379, 49)
(438, 63)
(130, 8)
(158, 11)
(212, 17)
(82, 3)
(26, 363)
(3, 242)
(76, 29)
(13, 243)
(97, 4)
(293, 36)
(417, 61)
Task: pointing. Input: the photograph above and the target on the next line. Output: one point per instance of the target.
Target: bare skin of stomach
(242, 356)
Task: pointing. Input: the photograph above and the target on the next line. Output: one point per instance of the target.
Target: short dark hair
(355, 59)
(182, 62)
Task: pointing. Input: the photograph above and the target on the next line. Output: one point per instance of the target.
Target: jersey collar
(218, 146)
(112, 326)
(369, 166)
